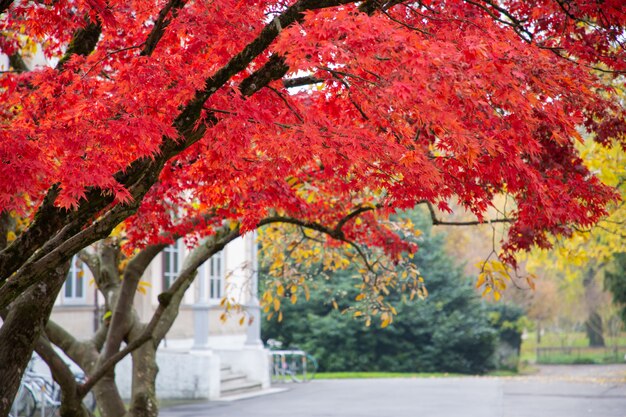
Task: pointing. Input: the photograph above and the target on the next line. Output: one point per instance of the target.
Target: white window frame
(74, 281)
(215, 272)
(171, 259)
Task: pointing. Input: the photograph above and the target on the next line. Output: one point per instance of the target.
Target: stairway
(236, 383)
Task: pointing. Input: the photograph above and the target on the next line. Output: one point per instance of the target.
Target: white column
(253, 335)
(201, 313)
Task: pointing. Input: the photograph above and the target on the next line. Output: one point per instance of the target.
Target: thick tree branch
(84, 354)
(83, 43)
(17, 63)
(354, 213)
(119, 322)
(301, 81)
(33, 272)
(133, 272)
(274, 69)
(5, 225)
(4, 5)
(62, 375)
(160, 24)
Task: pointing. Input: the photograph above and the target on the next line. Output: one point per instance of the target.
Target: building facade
(200, 341)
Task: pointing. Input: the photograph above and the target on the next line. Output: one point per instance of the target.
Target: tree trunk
(109, 401)
(594, 327)
(593, 297)
(23, 324)
(145, 369)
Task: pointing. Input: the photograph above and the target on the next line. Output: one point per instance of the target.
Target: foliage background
(452, 330)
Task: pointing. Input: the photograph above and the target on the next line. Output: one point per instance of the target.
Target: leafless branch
(289, 106)
(437, 222)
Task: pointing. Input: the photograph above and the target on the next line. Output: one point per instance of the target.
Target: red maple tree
(158, 112)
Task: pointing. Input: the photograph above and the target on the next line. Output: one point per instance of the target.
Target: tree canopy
(188, 104)
(178, 116)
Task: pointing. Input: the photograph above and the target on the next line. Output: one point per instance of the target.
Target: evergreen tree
(451, 330)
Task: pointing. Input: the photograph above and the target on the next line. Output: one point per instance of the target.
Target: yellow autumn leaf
(481, 280)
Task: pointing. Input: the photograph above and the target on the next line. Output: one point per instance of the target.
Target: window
(216, 276)
(171, 265)
(74, 289)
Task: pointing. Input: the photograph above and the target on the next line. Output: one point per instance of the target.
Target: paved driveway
(552, 393)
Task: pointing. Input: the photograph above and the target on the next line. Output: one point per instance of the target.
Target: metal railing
(582, 353)
(292, 365)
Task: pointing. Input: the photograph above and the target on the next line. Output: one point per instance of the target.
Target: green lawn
(364, 375)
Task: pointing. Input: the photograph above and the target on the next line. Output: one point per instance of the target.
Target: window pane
(79, 283)
(166, 262)
(68, 285)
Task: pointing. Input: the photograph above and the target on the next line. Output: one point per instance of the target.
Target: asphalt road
(554, 392)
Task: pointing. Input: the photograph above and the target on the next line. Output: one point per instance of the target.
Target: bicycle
(39, 391)
(25, 403)
(296, 364)
(47, 394)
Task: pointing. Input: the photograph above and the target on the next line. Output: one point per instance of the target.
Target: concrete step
(236, 387)
(231, 376)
